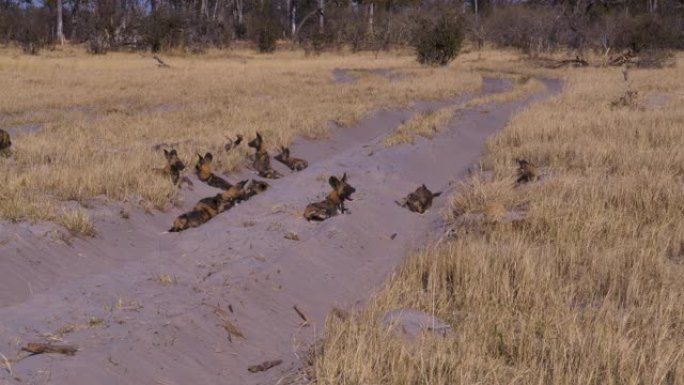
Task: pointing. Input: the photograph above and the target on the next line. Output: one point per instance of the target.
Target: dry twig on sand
(264, 366)
(43, 348)
(228, 325)
(301, 315)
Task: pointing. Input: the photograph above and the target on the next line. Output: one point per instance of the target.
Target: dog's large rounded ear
(242, 183)
(208, 156)
(166, 153)
(334, 182)
(259, 136)
(344, 177)
(199, 156)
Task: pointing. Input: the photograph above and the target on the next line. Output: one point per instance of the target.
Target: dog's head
(173, 160)
(256, 143)
(341, 187)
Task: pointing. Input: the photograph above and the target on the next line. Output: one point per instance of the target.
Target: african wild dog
(210, 207)
(200, 214)
(527, 171)
(262, 161)
(333, 203)
(203, 169)
(173, 167)
(255, 187)
(5, 142)
(233, 143)
(419, 201)
(225, 200)
(295, 164)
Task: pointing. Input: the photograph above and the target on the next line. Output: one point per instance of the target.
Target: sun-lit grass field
(577, 278)
(87, 127)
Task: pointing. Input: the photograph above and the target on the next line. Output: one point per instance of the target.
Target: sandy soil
(103, 294)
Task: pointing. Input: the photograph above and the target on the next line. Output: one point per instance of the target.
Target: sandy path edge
(134, 330)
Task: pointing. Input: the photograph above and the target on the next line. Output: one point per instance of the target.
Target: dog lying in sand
(419, 201)
(294, 164)
(208, 208)
(333, 203)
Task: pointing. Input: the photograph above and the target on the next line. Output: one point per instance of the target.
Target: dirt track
(132, 329)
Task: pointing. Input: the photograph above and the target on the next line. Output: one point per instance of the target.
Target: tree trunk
(389, 24)
(216, 8)
(60, 24)
(293, 17)
(204, 9)
(74, 18)
(321, 16)
(237, 12)
(371, 12)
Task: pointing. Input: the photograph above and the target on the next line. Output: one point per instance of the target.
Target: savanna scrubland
(575, 277)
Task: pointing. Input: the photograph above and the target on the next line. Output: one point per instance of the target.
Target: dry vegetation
(428, 124)
(586, 288)
(101, 116)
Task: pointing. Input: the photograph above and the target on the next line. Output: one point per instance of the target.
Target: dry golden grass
(428, 124)
(586, 289)
(102, 115)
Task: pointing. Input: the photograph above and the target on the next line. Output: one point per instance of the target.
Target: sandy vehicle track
(237, 274)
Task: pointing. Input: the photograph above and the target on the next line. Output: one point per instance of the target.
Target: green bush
(438, 43)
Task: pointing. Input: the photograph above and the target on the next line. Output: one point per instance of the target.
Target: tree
(439, 42)
(60, 23)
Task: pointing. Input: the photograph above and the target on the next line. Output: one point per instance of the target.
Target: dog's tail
(438, 193)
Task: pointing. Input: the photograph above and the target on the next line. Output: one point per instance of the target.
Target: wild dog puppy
(210, 207)
(233, 143)
(527, 171)
(203, 169)
(262, 161)
(333, 203)
(295, 164)
(419, 201)
(255, 187)
(5, 142)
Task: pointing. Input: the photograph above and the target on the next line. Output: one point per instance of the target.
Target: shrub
(438, 43)
(266, 38)
(98, 43)
(33, 30)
